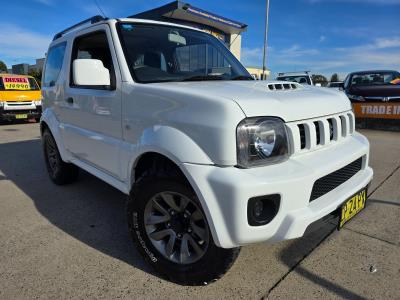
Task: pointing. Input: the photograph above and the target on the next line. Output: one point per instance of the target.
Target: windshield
(14, 83)
(159, 53)
(374, 78)
(299, 79)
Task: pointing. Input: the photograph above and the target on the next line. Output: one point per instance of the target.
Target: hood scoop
(283, 86)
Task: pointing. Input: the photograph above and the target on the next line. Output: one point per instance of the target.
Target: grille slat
(320, 132)
(331, 181)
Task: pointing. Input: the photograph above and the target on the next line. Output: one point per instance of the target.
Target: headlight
(1, 103)
(355, 97)
(38, 102)
(261, 141)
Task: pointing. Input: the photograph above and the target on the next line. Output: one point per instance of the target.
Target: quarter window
(54, 63)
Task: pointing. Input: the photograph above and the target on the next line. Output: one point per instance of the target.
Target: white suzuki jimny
(210, 158)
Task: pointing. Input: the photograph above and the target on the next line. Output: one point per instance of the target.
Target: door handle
(70, 100)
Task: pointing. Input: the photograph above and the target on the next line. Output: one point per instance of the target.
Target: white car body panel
(194, 125)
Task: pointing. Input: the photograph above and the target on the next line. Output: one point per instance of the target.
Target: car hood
(20, 96)
(256, 99)
(390, 90)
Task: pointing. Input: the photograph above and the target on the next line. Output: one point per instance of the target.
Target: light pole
(265, 41)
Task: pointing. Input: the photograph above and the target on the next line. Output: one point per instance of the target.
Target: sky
(323, 36)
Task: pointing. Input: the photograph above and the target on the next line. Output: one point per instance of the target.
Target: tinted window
(54, 64)
(94, 46)
(373, 78)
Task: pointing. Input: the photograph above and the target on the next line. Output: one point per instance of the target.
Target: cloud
(253, 56)
(296, 51)
(322, 38)
(45, 2)
(377, 2)
(17, 43)
(379, 53)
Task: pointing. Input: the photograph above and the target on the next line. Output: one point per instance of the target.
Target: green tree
(316, 78)
(3, 67)
(37, 75)
(335, 77)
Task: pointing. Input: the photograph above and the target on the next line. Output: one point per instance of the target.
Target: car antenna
(101, 11)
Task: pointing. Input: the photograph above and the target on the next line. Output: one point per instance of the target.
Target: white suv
(210, 159)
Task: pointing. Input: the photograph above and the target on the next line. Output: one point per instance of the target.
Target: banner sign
(16, 83)
(377, 110)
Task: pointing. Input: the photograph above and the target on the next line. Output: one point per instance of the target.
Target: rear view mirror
(90, 72)
(176, 38)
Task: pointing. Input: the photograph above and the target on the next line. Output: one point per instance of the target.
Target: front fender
(165, 140)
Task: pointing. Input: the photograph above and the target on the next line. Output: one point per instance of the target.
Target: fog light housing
(262, 210)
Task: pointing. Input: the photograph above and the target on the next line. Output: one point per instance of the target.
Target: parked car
(337, 85)
(20, 98)
(210, 159)
(303, 77)
(374, 94)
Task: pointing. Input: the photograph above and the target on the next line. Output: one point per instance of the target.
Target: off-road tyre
(210, 267)
(59, 171)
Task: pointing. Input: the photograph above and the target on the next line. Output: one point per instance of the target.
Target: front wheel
(170, 230)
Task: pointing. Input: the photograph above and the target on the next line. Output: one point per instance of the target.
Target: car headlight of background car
(355, 97)
(261, 141)
(38, 102)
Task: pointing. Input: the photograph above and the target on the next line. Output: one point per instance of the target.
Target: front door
(92, 114)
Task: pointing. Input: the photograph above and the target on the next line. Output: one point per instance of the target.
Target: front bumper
(224, 192)
(10, 114)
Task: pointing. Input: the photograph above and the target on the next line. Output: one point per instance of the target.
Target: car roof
(14, 75)
(97, 20)
(373, 71)
(293, 74)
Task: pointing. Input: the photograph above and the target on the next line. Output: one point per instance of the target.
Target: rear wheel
(59, 171)
(170, 230)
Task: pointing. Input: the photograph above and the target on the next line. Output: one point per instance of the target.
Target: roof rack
(282, 73)
(91, 20)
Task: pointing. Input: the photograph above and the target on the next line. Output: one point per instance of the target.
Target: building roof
(186, 12)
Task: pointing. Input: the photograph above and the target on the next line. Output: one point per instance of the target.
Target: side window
(54, 63)
(93, 46)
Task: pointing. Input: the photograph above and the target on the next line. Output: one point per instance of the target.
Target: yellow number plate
(352, 207)
(24, 116)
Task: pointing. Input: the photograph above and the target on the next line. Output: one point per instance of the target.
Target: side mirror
(90, 72)
(341, 86)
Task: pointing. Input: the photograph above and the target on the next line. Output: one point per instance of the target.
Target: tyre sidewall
(202, 271)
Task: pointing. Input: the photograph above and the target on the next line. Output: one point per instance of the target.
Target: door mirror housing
(90, 72)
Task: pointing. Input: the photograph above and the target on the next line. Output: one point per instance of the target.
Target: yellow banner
(16, 83)
(377, 110)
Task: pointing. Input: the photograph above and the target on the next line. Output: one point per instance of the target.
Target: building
(257, 72)
(226, 30)
(21, 69)
(38, 66)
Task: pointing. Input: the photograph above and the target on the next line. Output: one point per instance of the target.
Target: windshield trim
(129, 62)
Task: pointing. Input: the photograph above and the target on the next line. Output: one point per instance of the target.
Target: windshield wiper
(242, 77)
(203, 78)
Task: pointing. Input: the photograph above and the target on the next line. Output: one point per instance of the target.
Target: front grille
(320, 132)
(333, 180)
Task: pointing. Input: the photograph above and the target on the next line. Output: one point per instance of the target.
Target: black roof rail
(91, 20)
